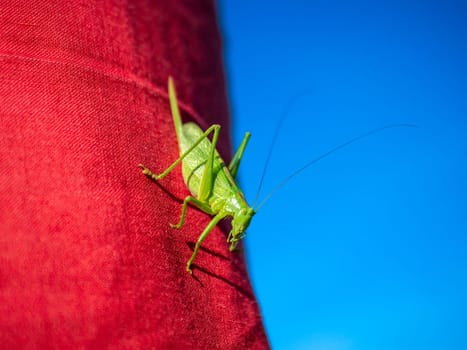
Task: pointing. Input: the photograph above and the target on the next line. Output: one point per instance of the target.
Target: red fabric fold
(87, 257)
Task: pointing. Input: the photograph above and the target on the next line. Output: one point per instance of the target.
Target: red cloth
(87, 257)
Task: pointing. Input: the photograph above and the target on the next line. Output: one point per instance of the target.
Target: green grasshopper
(211, 183)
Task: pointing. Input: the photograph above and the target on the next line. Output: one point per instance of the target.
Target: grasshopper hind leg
(235, 162)
(148, 172)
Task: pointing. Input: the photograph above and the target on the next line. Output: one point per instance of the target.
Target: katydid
(213, 184)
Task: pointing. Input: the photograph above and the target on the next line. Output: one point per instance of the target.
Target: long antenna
(274, 139)
(328, 153)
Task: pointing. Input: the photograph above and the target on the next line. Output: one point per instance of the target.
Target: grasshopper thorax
(240, 222)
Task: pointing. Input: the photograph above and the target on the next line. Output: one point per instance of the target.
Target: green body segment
(211, 183)
(223, 195)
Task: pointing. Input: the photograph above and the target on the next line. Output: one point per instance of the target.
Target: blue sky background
(367, 249)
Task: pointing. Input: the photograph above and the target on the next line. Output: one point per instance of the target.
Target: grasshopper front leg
(215, 220)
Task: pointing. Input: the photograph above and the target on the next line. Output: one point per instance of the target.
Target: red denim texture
(87, 257)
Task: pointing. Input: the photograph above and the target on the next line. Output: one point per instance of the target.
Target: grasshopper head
(240, 222)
